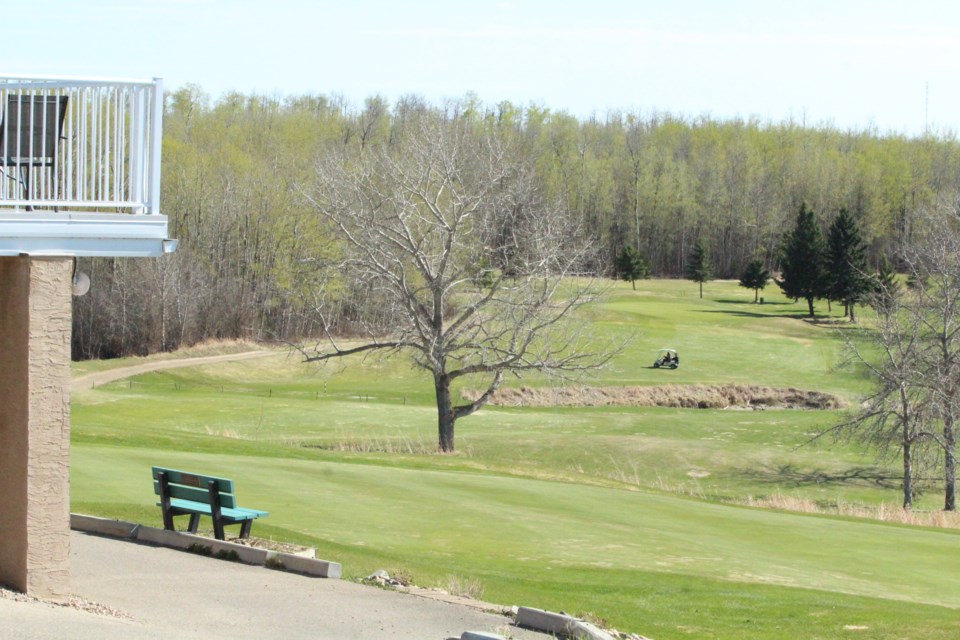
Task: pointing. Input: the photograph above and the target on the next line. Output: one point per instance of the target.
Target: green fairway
(618, 511)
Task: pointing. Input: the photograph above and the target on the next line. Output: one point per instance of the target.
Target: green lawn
(620, 511)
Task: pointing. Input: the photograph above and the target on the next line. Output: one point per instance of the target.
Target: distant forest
(250, 244)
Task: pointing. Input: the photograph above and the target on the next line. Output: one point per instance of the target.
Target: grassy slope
(541, 505)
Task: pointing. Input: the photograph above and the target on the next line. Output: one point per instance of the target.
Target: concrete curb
(559, 624)
(112, 528)
(206, 546)
(306, 566)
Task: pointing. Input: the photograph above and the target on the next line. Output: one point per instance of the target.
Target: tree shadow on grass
(764, 304)
(794, 476)
(754, 314)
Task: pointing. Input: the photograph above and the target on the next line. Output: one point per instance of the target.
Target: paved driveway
(165, 593)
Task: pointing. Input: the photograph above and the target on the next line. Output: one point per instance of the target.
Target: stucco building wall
(35, 324)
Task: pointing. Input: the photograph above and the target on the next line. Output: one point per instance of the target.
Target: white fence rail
(80, 144)
(80, 167)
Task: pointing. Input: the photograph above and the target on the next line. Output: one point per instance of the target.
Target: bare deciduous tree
(917, 337)
(934, 266)
(893, 418)
(456, 259)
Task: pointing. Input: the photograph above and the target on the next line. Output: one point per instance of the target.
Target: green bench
(196, 495)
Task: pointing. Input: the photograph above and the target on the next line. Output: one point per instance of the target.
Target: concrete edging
(559, 624)
(217, 548)
(103, 526)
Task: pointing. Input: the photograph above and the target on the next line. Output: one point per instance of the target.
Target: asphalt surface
(133, 591)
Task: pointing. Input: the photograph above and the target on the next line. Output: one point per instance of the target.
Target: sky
(882, 65)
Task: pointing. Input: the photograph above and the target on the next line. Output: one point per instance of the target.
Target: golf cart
(667, 359)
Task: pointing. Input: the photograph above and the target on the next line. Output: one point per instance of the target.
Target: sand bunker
(726, 396)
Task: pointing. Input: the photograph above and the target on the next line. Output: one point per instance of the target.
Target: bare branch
(455, 255)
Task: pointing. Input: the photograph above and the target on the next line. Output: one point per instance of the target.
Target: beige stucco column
(35, 324)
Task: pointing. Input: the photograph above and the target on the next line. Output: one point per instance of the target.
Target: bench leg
(194, 522)
(218, 528)
(165, 501)
(213, 489)
(245, 529)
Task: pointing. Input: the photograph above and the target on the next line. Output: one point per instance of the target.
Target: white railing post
(137, 114)
(156, 145)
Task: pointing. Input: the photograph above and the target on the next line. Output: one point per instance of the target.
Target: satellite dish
(81, 283)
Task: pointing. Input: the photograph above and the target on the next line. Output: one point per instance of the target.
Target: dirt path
(91, 380)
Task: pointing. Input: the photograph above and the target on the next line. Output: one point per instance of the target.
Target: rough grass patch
(404, 446)
(727, 396)
(403, 576)
(228, 554)
(884, 512)
(200, 549)
(464, 587)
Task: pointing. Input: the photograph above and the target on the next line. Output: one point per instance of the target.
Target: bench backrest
(193, 486)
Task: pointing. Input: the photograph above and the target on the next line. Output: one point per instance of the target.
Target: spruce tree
(631, 266)
(802, 255)
(846, 263)
(754, 277)
(886, 287)
(698, 265)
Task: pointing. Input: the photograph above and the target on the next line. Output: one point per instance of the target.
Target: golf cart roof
(670, 350)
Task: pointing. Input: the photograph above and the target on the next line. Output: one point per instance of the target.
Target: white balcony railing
(80, 162)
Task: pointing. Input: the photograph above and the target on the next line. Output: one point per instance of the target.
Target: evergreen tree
(846, 263)
(803, 273)
(698, 265)
(916, 281)
(886, 287)
(631, 266)
(754, 277)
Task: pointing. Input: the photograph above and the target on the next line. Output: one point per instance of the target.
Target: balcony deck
(80, 167)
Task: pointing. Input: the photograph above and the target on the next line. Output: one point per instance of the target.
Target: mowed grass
(616, 511)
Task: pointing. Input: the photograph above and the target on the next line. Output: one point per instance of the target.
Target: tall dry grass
(884, 512)
(346, 443)
(694, 396)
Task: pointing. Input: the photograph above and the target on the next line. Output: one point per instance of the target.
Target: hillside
(632, 513)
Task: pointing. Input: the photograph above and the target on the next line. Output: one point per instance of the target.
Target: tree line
(654, 184)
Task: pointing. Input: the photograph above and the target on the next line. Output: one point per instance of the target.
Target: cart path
(91, 380)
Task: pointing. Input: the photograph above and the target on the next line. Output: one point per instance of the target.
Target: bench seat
(182, 493)
(231, 515)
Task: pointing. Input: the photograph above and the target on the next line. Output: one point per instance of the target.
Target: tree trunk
(634, 283)
(756, 295)
(907, 476)
(445, 414)
(950, 466)
(906, 444)
(701, 290)
(810, 305)
(852, 317)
